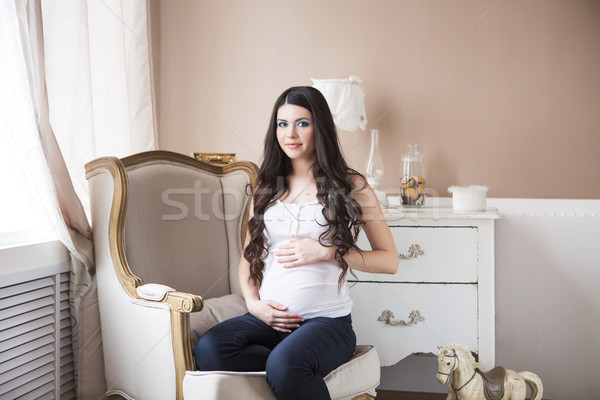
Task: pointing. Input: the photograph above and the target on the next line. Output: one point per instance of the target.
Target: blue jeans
(296, 362)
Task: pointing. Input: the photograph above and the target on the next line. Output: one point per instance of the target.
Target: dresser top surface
(394, 213)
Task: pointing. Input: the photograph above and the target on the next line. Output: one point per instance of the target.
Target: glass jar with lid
(412, 178)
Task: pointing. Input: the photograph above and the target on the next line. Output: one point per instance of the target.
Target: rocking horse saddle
(493, 383)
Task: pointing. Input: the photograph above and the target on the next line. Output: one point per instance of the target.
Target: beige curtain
(86, 74)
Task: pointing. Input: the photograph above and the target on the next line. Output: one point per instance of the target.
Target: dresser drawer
(450, 313)
(449, 254)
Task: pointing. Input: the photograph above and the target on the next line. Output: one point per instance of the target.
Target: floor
(395, 395)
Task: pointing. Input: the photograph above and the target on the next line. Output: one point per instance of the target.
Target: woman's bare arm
(383, 258)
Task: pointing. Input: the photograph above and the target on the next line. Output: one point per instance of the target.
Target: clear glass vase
(374, 167)
(412, 179)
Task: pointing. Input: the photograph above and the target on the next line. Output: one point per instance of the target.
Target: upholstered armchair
(168, 234)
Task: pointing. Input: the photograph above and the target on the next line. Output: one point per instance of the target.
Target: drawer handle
(415, 317)
(413, 252)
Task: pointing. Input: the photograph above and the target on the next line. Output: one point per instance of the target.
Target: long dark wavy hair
(332, 176)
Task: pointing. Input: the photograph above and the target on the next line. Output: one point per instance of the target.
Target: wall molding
(541, 208)
(547, 208)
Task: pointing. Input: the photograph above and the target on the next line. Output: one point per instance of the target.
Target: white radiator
(36, 355)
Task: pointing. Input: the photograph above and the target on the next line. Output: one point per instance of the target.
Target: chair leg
(364, 396)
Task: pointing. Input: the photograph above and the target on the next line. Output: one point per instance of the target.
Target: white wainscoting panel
(547, 293)
(547, 284)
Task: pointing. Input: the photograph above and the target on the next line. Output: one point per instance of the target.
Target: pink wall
(502, 93)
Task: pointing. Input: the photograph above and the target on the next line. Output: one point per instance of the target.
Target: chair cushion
(357, 376)
(220, 385)
(215, 310)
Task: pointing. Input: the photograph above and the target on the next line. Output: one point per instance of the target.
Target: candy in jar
(412, 178)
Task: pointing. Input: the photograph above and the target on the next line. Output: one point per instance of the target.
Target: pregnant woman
(308, 208)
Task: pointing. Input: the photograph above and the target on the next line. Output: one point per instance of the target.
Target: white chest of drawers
(442, 293)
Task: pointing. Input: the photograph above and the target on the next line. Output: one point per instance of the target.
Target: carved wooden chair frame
(181, 304)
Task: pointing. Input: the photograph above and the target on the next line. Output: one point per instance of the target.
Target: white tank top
(309, 290)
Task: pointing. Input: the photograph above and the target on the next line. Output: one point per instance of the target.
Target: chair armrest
(177, 301)
(153, 291)
(184, 302)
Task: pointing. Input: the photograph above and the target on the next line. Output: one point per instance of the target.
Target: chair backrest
(184, 220)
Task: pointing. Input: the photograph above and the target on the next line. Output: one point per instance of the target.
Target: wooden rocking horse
(457, 365)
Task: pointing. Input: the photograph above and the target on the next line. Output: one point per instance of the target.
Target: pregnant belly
(305, 289)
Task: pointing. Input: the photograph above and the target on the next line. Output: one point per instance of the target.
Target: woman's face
(295, 132)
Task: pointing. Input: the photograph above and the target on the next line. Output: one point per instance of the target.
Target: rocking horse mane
(462, 352)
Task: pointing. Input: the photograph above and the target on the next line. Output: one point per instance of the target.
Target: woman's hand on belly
(274, 315)
(302, 252)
